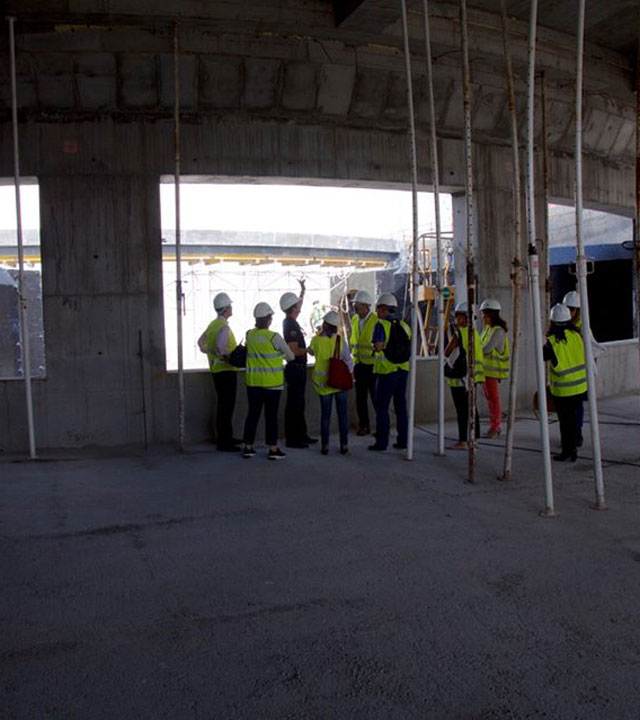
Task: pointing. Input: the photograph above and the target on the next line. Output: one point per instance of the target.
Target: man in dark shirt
(295, 373)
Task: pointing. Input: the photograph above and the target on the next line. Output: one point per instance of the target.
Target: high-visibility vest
(405, 365)
(216, 363)
(382, 366)
(361, 347)
(264, 362)
(478, 375)
(323, 349)
(496, 363)
(569, 376)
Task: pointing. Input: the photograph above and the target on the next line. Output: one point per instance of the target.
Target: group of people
(274, 361)
(564, 351)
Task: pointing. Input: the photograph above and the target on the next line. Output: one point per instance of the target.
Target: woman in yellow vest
(567, 377)
(323, 347)
(495, 349)
(458, 386)
(218, 341)
(265, 380)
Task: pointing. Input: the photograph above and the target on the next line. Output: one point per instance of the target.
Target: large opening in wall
(254, 241)
(611, 281)
(11, 350)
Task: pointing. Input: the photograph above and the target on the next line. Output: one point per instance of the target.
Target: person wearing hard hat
(459, 392)
(564, 350)
(362, 326)
(572, 301)
(264, 378)
(389, 382)
(324, 346)
(295, 373)
(218, 341)
(495, 349)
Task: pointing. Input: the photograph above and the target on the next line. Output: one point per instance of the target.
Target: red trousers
(492, 393)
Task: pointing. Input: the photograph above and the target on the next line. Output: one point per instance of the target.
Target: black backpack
(458, 370)
(398, 347)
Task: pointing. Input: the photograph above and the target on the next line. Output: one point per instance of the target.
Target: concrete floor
(205, 586)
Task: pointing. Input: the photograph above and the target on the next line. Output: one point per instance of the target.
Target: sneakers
(276, 454)
(248, 452)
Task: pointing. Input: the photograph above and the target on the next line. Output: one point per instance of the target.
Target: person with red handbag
(332, 378)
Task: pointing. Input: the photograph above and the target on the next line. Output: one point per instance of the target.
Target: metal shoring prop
(179, 295)
(636, 248)
(440, 277)
(414, 200)
(581, 267)
(534, 269)
(516, 273)
(466, 83)
(22, 290)
(545, 190)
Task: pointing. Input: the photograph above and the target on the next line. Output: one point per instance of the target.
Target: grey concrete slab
(202, 585)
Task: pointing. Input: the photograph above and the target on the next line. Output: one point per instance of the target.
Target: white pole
(517, 258)
(471, 280)
(22, 289)
(581, 263)
(414, 268)
(441, 280)
(179, 294)
(534, 268)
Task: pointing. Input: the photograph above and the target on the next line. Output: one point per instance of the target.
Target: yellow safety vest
(569, 376)
(264, 362)
(323, 349)
(216, 363)
(496, 363)
(382, 366)
(478, 363)
(361, 347)
(405, 365)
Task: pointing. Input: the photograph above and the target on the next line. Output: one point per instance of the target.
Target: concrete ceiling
(610, 23)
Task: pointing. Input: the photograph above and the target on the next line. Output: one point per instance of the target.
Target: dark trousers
(580, 419)
(365, 389)
(400, 407)
(385, 388)
(270, 399)
(225, 383)
(326, 401)
(295, 426)
(568, 410)
(461, 401)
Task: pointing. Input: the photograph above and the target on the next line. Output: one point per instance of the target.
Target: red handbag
(340, 377)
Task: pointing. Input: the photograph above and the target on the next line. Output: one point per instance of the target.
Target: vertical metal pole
(516, 275)
(466, 84)
(441, 280)
(636, 247)
(22, 287)
(414, 201)
(534, 269)
(179, 294)
(545, 189)
(581, 266)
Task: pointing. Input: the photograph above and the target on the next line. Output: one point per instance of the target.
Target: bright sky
(355, 212)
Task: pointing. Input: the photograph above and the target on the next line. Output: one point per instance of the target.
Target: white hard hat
(332, 318)
(560, 313)
(462, 309)
(572, 299)
(490, 304)
(221, 301)
(288, 300)
(387, 299)
(262, 310)
(362, 296)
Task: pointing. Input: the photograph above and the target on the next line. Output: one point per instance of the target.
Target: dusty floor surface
(207, 586)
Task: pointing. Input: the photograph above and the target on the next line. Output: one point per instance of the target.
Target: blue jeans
(385, 389)
(400, 407)
(326, 402)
